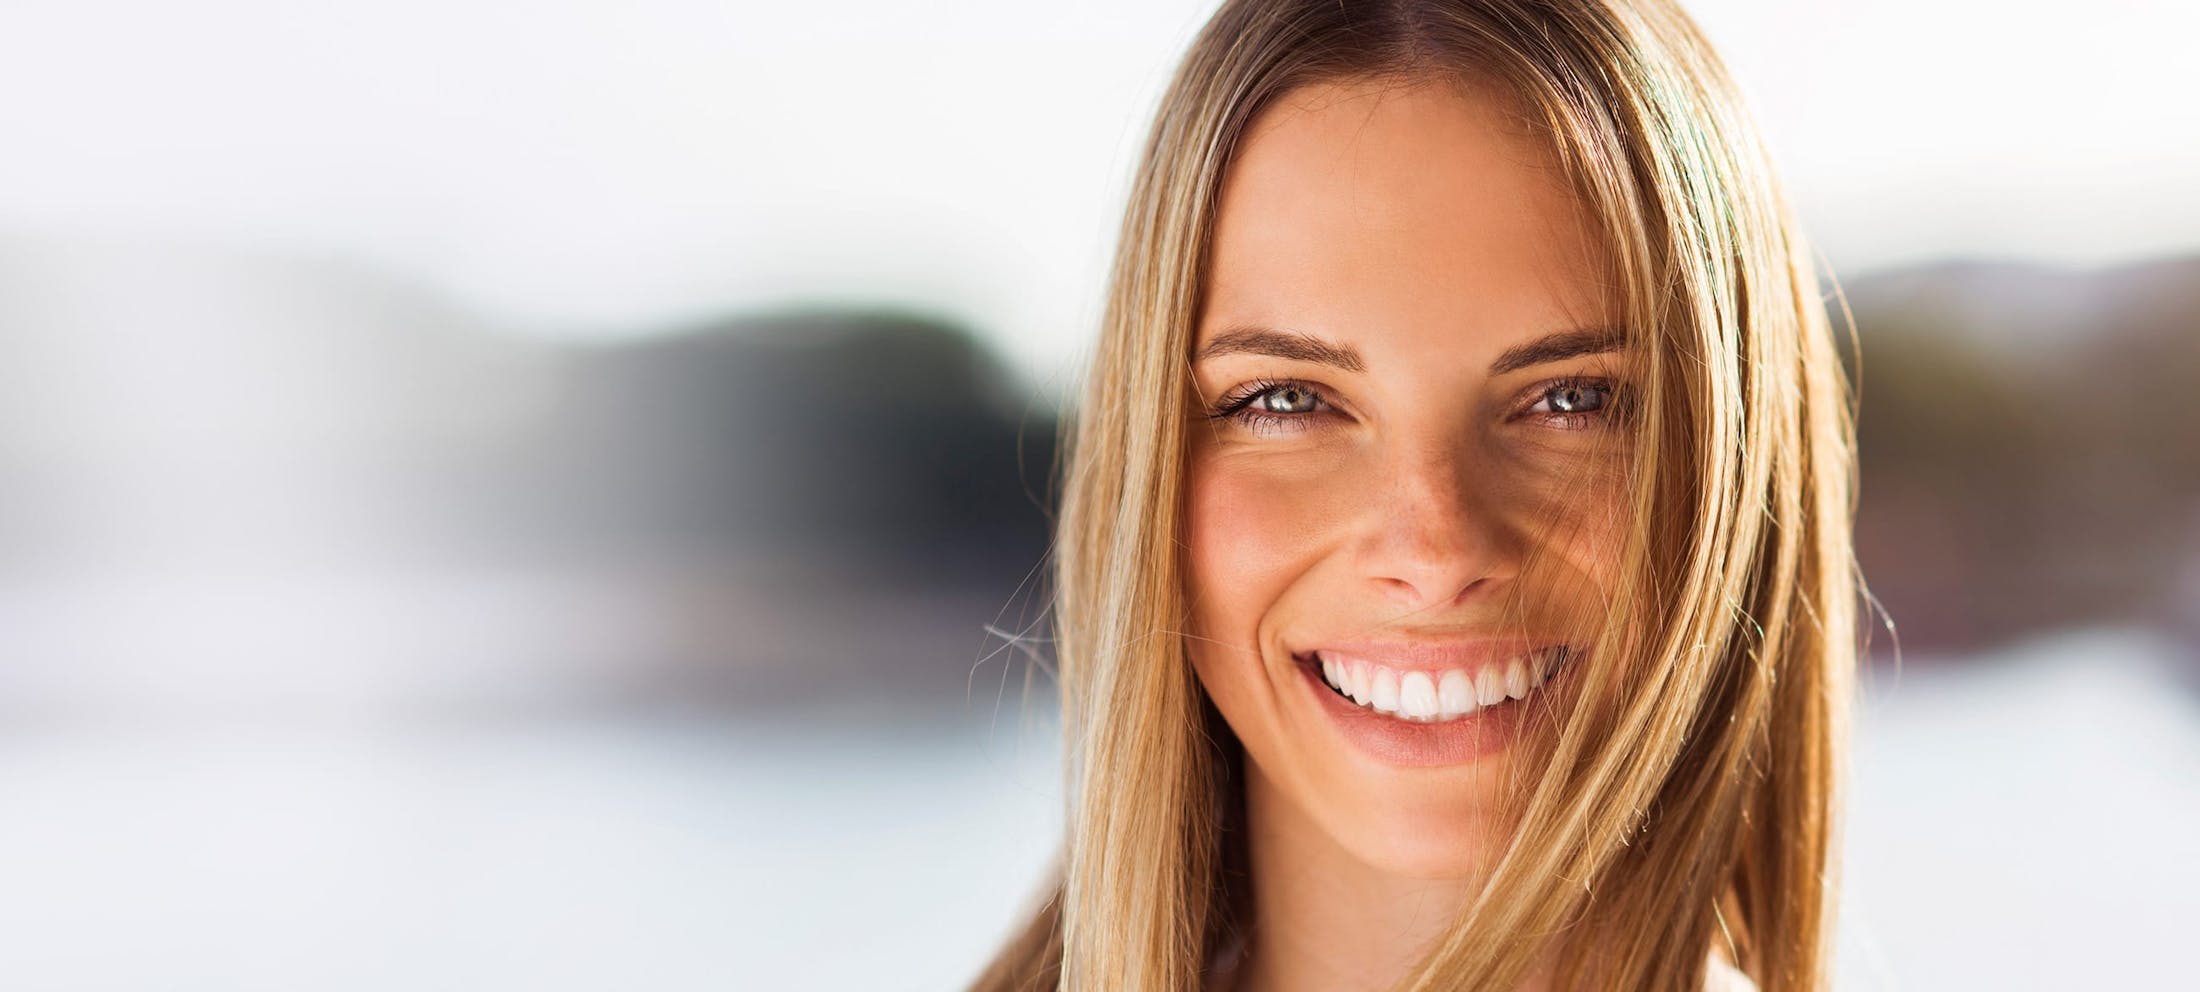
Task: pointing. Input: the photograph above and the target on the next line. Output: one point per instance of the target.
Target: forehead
(1410, 206)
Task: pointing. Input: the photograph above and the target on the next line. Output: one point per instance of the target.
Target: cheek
(1578, 535)
(1249, 533)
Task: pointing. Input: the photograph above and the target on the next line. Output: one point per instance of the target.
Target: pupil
(1572, 399)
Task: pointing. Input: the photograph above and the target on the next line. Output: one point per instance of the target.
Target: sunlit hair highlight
(1688, 803)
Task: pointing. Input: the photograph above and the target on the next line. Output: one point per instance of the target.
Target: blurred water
(2024, 821)
(843, 850)
(2027, 820)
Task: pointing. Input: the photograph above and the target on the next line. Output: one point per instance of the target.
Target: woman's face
(1404, 476)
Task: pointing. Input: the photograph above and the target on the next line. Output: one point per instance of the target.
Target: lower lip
(1485, 732)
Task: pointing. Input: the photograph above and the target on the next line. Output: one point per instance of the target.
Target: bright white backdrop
(600, 168)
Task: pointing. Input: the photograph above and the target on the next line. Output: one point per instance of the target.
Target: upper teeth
(1446, 694)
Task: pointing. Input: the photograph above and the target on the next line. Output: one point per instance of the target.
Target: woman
(1454, 585)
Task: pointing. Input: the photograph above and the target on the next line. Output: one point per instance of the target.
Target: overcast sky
(602, 168)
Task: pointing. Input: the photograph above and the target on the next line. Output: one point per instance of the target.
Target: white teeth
(1417, 696)
(1422, 696)
(1386, 691)
(1457, 694)
(1489, 686)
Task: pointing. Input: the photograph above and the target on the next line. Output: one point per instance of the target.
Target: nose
(1431, 540)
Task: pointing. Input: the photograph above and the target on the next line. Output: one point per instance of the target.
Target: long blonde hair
(1691, 795)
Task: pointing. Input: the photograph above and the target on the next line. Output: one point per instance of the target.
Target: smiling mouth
(1438, 696)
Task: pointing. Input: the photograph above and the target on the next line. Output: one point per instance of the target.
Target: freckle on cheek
(1247, 538)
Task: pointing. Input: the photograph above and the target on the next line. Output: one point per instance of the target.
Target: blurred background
(553, 496)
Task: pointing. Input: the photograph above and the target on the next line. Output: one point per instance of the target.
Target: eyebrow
(1303, 347)
(1282, 344)
(1559, 347)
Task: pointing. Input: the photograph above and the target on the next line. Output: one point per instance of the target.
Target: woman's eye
(1573, 401)
(1574, 398)
(1268, 407)
(1286, 399)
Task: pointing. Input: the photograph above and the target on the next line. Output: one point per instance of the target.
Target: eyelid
(1244, 394)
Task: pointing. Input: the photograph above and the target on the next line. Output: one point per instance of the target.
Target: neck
(1324, 919)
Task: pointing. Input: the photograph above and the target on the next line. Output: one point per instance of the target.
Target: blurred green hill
(2030, 443)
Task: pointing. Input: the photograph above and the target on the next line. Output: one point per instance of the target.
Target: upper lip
(1431, 654)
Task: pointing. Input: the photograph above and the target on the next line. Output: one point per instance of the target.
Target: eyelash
(1238, 404)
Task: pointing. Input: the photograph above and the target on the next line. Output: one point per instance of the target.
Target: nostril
(1432, 559)
(1427, 591)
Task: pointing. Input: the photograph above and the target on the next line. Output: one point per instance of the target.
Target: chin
(1421, 836)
